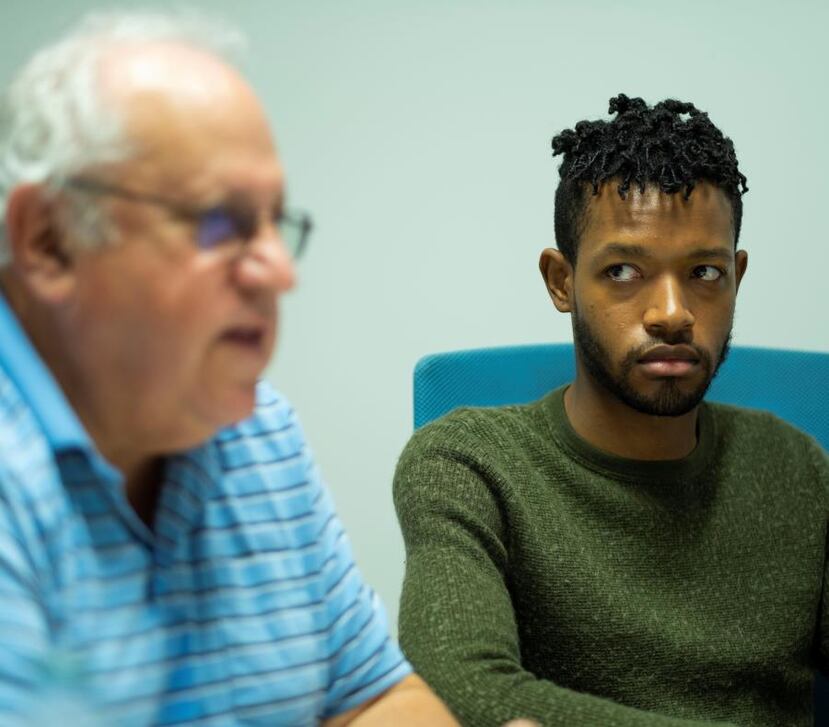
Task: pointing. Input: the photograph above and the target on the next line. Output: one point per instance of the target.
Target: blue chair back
(791, 384)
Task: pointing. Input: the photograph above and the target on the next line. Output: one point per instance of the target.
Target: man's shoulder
(755, 422)
(755, 432)
(481, 430)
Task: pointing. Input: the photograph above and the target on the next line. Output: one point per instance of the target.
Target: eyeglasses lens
(223, 225)
(217, 226)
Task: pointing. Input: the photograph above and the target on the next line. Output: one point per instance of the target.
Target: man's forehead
(191, 119)
(706, 214)
(165, 67)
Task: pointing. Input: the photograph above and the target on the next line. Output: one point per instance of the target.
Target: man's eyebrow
(638, 251)
(242, 197)
(706, 253)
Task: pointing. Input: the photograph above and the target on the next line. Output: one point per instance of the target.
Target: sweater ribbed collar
(675, 470)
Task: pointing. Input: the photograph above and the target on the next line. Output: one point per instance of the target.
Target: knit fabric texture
(548, 579)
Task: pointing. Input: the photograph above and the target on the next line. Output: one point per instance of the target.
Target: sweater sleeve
(820, 459)
(457, 624)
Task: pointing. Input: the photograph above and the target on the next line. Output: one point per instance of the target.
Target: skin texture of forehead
(182, 107)
(706, 213)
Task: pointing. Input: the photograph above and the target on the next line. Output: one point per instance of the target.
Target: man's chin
(667, 390)
(671, 399)
(233, 404)
(242, 403)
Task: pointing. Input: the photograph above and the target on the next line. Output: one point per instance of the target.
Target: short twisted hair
(672, 145)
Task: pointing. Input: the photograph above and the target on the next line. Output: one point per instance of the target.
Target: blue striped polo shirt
(241, 606)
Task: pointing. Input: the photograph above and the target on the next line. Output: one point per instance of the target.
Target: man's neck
(140, 469)
(614, 427)
(143, 487)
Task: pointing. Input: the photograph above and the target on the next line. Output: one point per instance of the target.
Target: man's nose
(267, 263)
(667, 312)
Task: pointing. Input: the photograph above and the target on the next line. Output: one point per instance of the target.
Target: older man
(167, 551)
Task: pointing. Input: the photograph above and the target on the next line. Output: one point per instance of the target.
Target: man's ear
(39, 255)
(558, 277)
(740, 265)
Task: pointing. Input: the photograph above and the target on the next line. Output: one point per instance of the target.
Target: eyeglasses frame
(187, 212)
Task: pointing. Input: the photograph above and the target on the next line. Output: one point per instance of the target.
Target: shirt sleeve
(457, 623)
(364, 660)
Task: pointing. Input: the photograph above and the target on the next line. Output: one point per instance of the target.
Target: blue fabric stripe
(244, 604)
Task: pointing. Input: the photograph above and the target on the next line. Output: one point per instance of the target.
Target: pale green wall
(418, 135)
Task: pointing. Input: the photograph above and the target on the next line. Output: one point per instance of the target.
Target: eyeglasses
(215, 226)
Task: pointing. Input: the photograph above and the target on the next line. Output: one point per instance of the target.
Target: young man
(621, 552)
(168, 552)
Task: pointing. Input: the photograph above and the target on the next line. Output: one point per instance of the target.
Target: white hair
(53, 121)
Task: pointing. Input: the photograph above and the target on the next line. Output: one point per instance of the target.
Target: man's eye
(622, 272)
(217, 226)
(709, 273)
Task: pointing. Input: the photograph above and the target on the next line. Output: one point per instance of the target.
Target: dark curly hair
(672, 145)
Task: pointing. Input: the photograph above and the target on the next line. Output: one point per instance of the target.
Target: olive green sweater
(550, 580)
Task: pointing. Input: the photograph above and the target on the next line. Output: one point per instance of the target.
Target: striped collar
(28, 372)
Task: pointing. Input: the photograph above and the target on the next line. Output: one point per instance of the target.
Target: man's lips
(249, 336)
(662, 361)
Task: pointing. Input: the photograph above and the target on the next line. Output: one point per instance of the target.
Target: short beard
(670, 400)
